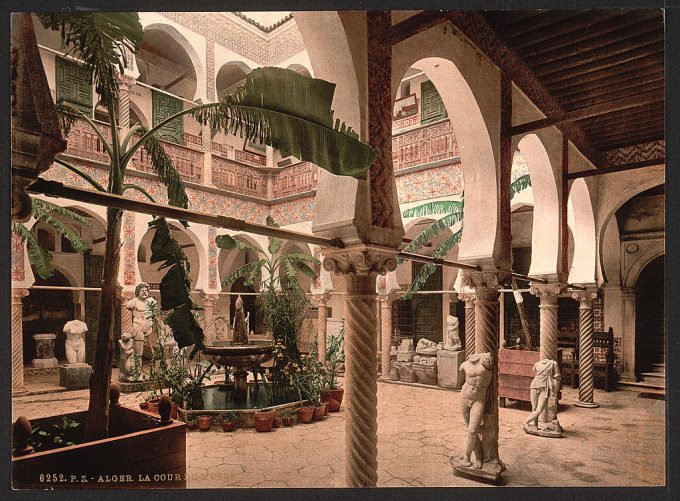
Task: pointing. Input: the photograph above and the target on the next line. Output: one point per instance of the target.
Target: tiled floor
(621, 443)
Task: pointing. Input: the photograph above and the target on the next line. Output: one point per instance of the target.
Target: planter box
(140, 454)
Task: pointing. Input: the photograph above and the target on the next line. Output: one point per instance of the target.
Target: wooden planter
(140, 454)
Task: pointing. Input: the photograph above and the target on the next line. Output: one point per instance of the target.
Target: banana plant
(56, 217)
(453, 212)
(274, 106)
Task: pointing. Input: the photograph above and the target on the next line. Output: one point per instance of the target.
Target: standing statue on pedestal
(240, 324)
(478, 374)
(451, 339)
(75, 341)
(130, 366)
(142, 307)
(546, 384)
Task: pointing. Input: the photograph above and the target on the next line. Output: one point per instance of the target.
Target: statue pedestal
(405, 370)
(425, 374)
(550, 431)
(74, 376)
(44, 350)
(489, 473)
(449, 374)
(135, 386)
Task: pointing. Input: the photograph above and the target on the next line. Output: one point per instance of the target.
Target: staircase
(653, 380)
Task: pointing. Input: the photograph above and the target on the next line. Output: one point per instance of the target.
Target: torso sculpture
(129, 367)
(240, 326)
(451, 339)
(545, 384)
(142, 307)
(75, 341)
(478, 375)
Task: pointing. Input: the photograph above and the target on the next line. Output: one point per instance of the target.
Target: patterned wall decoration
(285, 44)
(73, 85)
(404, 123)
(298, 178)
(638, 153)
(165, 106)
(212, 258)
(129, 250)
(425, 145)
(210, 70)
(17, 259)
(316, 252)
(431, 183)
(293, 211)
(232, 176)
(431, 105)
(519, 166)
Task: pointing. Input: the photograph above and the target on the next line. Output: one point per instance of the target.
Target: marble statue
(427, 347)
(75, 341)
(142, 307)
(167, 340)
(129, 366)
(451, 339)
(478, 375)
(221, 329)
(240, 325)
(545, 384)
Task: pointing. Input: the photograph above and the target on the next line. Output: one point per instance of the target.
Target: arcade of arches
(438, 101)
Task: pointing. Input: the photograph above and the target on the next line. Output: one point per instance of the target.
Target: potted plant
(305, 413)
(229, 420)
(264, 420)
(204, 422)
(288, 418)
(192, 421)
(335, 358)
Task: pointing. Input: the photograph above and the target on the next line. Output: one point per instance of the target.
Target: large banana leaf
(519, 184)
(100, 40)
(292, 113)
(48, 212)
(39, 257)
(432, 208)
(229, 243)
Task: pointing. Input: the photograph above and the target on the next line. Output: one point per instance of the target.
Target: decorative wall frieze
(637, 153)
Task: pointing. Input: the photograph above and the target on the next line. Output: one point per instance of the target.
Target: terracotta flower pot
(337, 395)
(306, 414)
(173, 412)
(332, 404)
(144, 406)
(264, 420)
(153, 405)
(229, 425)
(277, 422)
(204, 422)
(319, 411)
(287, 420)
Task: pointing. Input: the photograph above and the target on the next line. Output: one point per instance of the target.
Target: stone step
(653, 378)
(642, 385)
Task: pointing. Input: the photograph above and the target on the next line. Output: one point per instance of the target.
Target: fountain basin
(240, 355)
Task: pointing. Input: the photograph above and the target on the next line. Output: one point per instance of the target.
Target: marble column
(206, 146)
(322, 316)
(585, 348)
(547, 294)
(469, 298)
(125, 314)
(360, 266)
(486, 285)
(18, 386)
(385, 333)
(628, 335)
(209, 301)
(125, 84)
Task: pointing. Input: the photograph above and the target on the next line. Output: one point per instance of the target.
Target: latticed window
(165, 106)
(73, 85)
(431, 105)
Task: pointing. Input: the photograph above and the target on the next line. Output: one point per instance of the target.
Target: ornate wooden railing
(424, 145)
(298, 178)
(232, 176)
(83, 142)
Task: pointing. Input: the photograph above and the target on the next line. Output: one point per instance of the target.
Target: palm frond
(81, 173)
(100, 40)
(246, 270)
(166, 172)
(448, 244)
(519, 184)
(291, 274)
(292, 113)
(433, 208)
(229, 243)
(299, 264)
(39, 257)
(433, 231)
(68, 115)
(274, 243)
(44, 211)
(135, 187)
(420, 280)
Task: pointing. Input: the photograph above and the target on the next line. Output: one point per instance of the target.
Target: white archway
(582, 224)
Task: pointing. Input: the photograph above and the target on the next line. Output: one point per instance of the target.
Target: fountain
(241, 354)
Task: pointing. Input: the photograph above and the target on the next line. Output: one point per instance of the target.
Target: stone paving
(621, 443)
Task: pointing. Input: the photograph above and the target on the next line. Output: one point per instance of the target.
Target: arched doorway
(650, 335)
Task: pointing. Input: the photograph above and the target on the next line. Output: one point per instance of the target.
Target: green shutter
(73, 85)
(165, 106)
(431, 104)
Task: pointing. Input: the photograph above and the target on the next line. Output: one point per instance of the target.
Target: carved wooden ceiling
(595, 58)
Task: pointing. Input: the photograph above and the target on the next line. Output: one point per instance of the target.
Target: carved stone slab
(449, 374)
(489, 473)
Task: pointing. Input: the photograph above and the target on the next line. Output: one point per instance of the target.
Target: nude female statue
(478, 374)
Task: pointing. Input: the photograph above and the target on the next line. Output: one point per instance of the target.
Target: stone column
(206, 145)
(548, 294)
(486, 285)
(628, 335)
(469, 298)
(125, 314)
(125, 84)
(18, 386)
(385, 333)
(585, 348)
(209, 301)
(360, 265)
(322, 316)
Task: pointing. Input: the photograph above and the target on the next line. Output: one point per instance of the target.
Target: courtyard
(419, 428)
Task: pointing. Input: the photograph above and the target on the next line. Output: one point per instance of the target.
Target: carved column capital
(321, 299)
(585, 297)
(211, 298)
(125, 82)
(467, 296)
(18, 293)
(359, 263)
(492, 279)
(548, 293)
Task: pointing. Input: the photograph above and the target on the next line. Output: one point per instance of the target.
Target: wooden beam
(538, 23)
(644, 75)
(442, 262)
(410, 27)
(593, 111)
(616, 168)
(627, 132)
(633, 141)
(615, 93)
(56, 189)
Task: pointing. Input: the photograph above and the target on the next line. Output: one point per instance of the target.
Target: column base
(587, 405)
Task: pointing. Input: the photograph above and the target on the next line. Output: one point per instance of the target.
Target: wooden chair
(603, 366)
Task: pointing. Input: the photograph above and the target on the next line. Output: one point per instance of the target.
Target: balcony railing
(84, 143)
(298, 178)
(424, 145)
(187, 161)
(231, 176)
